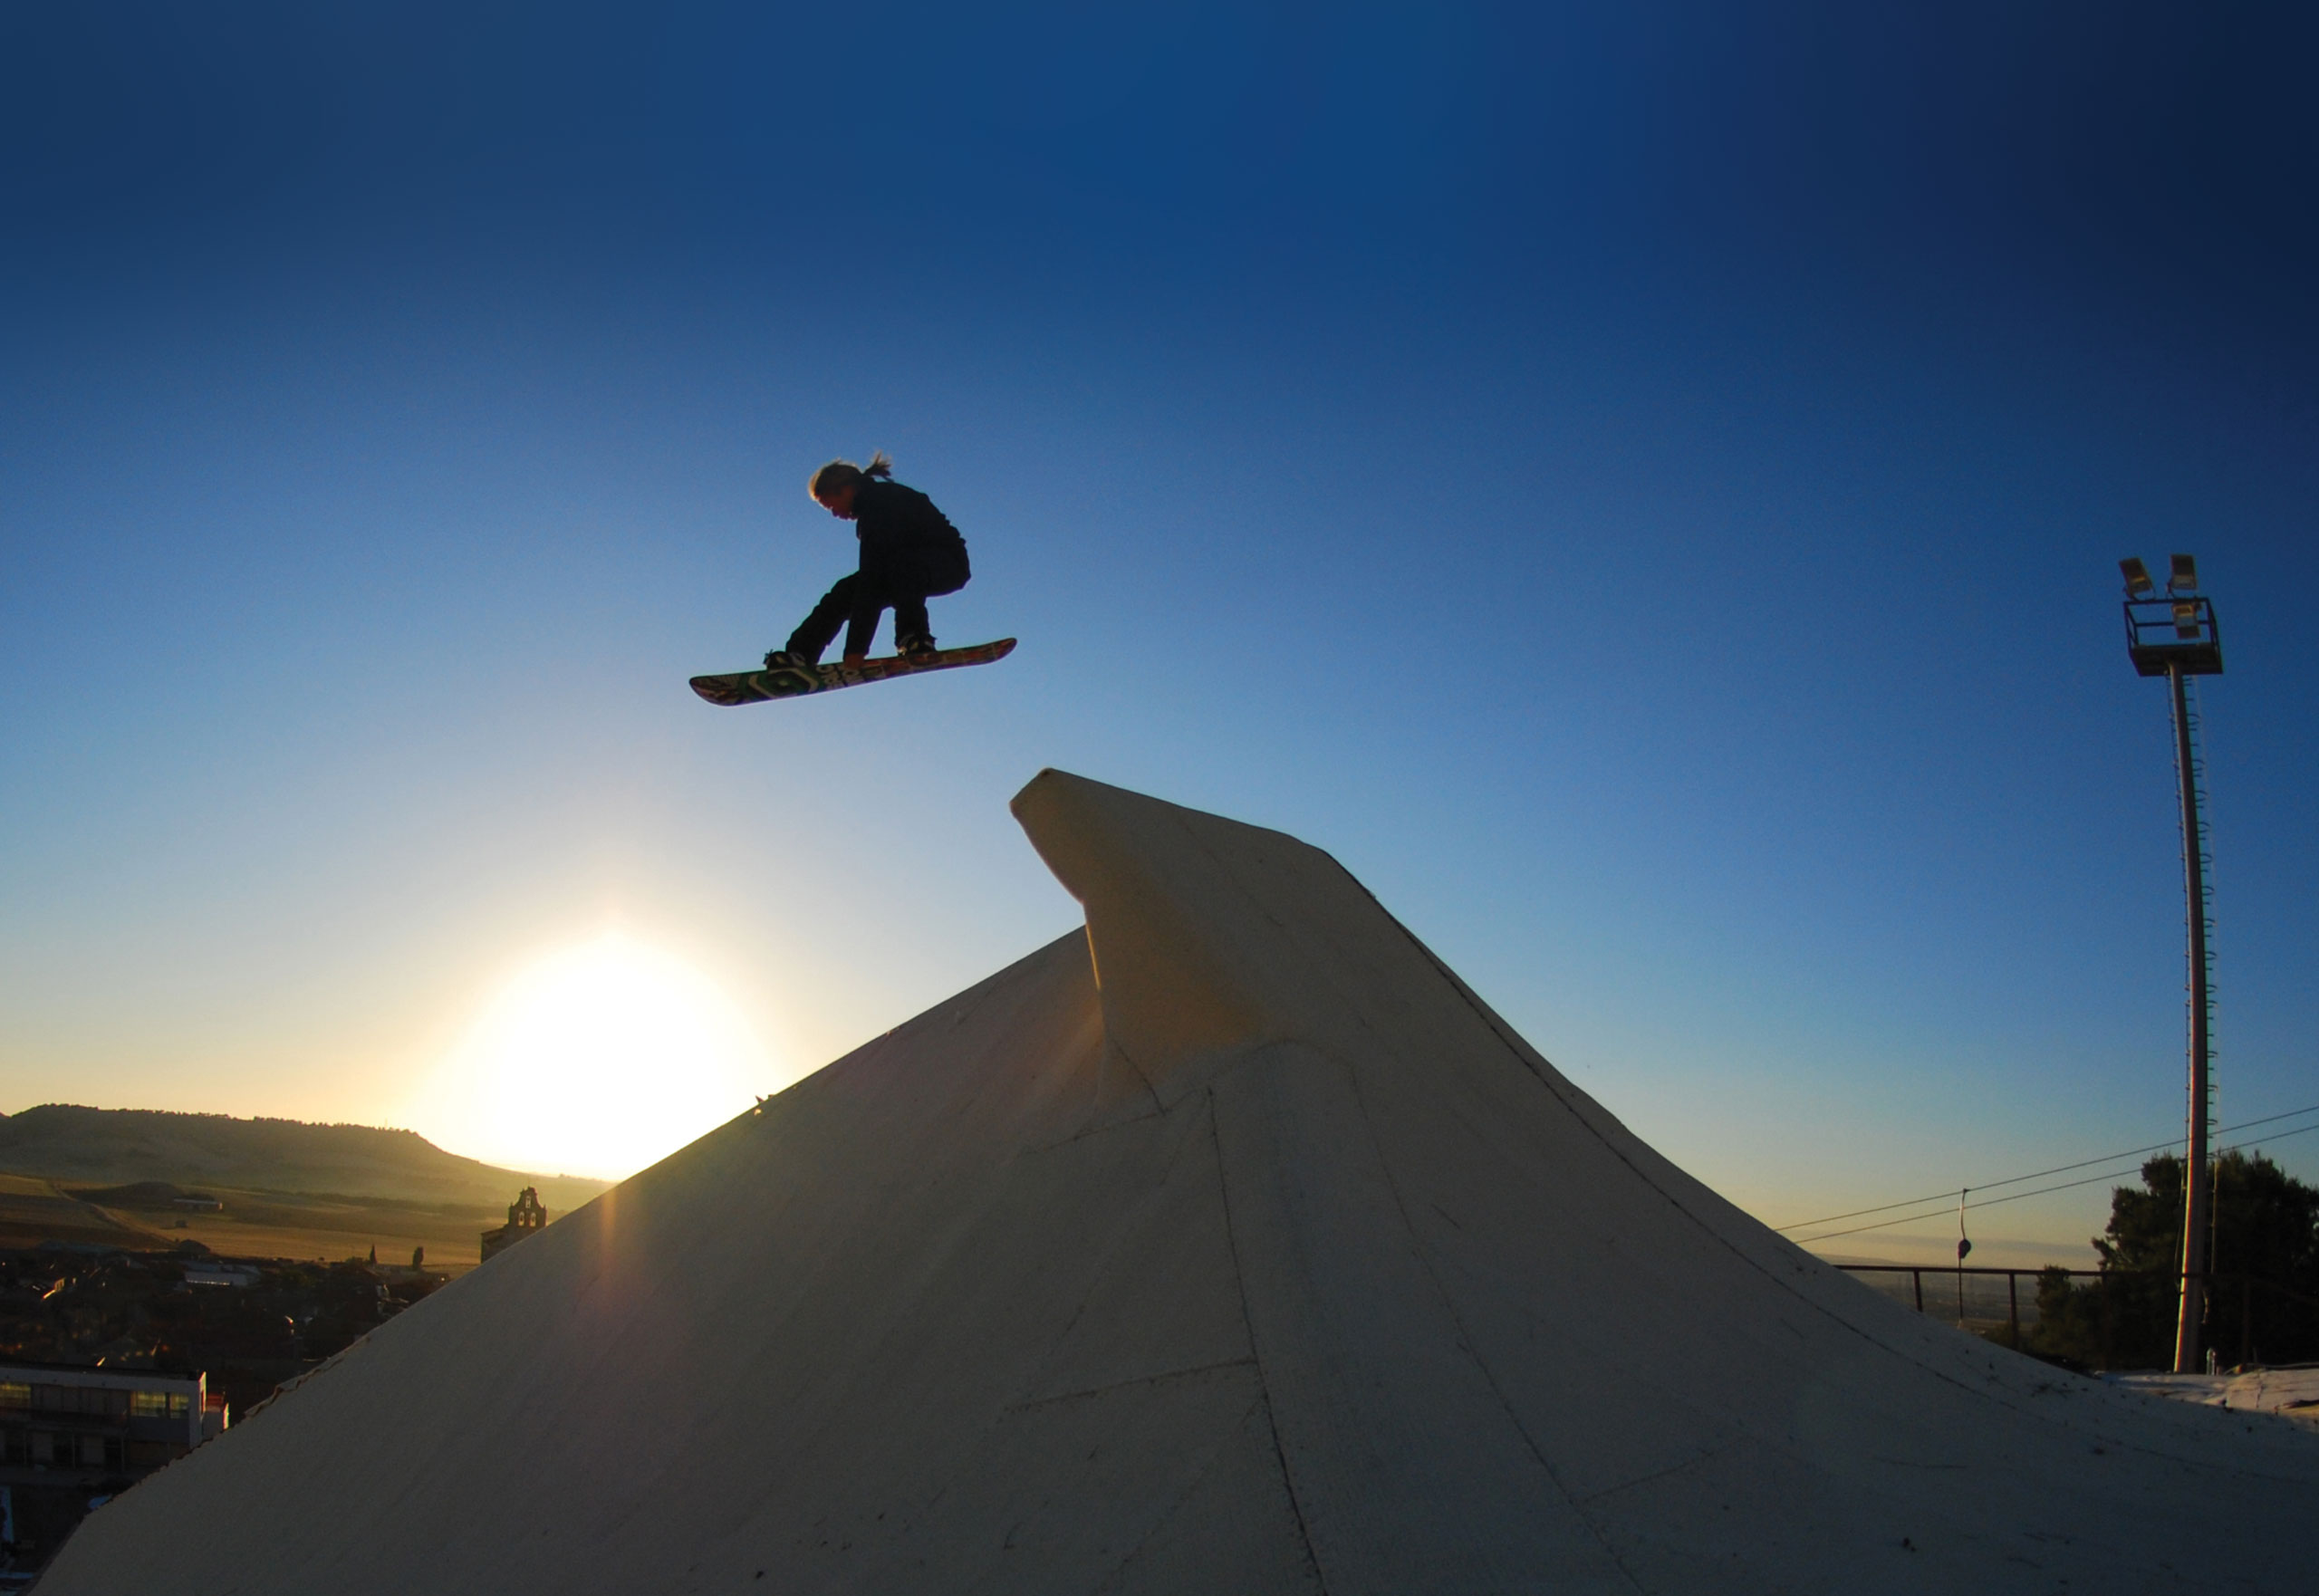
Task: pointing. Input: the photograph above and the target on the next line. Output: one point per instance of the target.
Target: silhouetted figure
(910, 553)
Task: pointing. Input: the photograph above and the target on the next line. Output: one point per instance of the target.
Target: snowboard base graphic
(756, 687)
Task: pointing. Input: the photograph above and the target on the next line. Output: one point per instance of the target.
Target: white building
(58, 1421)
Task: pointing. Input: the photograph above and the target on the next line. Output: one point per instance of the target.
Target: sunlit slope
(1273, 1263)
(113, 1147)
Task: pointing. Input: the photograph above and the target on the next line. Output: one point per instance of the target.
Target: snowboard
(755, 687)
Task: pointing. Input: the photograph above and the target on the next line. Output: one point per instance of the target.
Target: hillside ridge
(120, 1146)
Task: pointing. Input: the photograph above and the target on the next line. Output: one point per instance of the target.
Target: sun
(596, 1058)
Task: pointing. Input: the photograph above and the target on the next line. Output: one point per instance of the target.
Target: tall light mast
(2174, 635)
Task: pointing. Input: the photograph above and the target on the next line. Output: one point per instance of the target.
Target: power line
(2062, 1186)
(1943, 1197)
(1942, 1213)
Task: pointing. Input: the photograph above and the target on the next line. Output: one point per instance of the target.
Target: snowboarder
(910, 553)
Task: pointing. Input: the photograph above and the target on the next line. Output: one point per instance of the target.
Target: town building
(203, 1272)
(70, 1438)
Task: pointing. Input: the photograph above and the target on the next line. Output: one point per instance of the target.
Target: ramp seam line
(1272, 1422)
(1465, 1336)
(1658, 1473)
(1103, 1258)
(1029, 1403)
(1111, 1580)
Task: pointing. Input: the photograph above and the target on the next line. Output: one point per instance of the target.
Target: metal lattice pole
(2176, 635)
(2198, 1192)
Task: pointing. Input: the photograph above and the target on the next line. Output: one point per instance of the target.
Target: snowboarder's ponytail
(840, 474)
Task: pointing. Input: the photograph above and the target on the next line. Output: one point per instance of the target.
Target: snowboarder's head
(834, 485)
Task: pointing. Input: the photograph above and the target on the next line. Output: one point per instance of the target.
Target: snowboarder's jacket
(907, 544)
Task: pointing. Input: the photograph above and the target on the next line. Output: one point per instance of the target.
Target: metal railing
(1916, 1272)
(1971, 1298)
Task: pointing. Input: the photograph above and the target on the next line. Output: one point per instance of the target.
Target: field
(34, 1210)
(252, 1224)
(113, 1177)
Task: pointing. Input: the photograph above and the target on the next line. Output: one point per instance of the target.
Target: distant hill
(133, 1147)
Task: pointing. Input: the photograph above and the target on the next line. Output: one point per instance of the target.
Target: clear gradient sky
(1641, 484)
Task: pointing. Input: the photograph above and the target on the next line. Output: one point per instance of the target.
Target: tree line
(2263, 1274)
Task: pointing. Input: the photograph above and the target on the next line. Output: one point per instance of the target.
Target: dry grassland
(253, 1225)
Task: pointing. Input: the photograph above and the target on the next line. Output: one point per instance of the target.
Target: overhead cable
(2041, 1191)
(2134, 1152)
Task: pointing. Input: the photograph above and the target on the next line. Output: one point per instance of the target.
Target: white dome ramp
(1254, 1254)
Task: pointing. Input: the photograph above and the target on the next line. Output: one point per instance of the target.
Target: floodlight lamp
(2184, 577)
(2186, 618)
(2137, 575)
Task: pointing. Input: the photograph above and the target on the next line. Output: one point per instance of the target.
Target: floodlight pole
(2197, 1194)
(2177, 636)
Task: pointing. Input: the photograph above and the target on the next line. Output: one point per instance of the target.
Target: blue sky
(1639, 484)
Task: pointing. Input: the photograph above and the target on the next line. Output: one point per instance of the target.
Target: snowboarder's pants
(855, 604)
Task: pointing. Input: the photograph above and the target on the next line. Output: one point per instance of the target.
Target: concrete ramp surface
(1229, 1245)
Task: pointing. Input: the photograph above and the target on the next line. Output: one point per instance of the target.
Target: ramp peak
(1364, 1297)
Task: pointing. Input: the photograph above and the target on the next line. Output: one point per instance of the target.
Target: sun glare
(598, 1060)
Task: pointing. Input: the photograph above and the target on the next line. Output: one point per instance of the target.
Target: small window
(15, 1393)
(149, 1404)
(179, 1404)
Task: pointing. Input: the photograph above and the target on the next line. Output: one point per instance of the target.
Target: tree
(2263, 1291)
